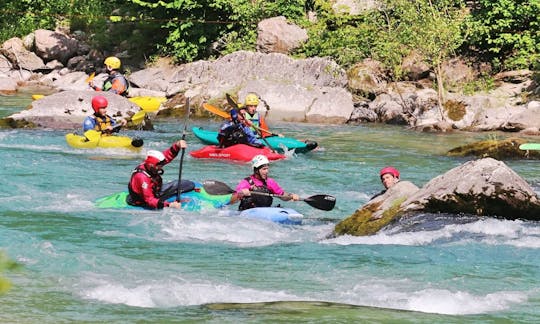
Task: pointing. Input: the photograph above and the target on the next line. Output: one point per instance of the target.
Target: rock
(414, 68)
(52, 45)
(67, 109)
(354, 7)
(497, 149)
(5, 65)
(378, 212)
(276, 35)
(7, 85)
(484, 187)
(21, 58)
(367, 78)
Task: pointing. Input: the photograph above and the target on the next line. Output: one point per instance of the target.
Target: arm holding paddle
(321, 201)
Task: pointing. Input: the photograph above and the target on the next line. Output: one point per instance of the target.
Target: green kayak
(276, 143)
(530, 146)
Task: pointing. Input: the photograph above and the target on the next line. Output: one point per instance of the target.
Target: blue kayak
(276, 143)
(279, 215)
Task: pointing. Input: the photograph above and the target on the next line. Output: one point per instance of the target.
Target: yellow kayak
(93, 139)
(147, 103)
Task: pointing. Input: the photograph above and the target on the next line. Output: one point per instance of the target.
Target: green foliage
(6, 265)
(344, 38)
(506, 32)
(196, 29)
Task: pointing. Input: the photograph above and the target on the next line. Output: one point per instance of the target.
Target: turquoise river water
(87, 265)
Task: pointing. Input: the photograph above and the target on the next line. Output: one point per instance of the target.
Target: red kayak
(238, 152)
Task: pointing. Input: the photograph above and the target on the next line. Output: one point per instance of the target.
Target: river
(83, 264)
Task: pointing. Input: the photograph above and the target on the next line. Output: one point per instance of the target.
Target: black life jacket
(108, 83)
(252, 201)
(231, 135)
(136, 199)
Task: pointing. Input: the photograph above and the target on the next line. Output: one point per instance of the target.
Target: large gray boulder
(67, 109)
(51, 45)
(312, 90)
(485, 187)
(21, 58)
(276, 35)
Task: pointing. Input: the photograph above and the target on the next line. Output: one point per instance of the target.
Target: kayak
(238, 152)
(198, 199)
(112, 141)
(279, 215)
(193, 200)
(147, 103)
(530, 146)
(276, 143)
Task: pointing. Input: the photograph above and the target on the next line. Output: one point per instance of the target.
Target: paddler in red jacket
(146, 187)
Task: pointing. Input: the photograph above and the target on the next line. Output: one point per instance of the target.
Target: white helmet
(154, 157)
(259, 160)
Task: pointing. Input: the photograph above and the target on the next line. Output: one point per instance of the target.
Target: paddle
(183, 151)
(90, 77)
(215, 110)
(138, 117)
(234, 104)
(322, 202)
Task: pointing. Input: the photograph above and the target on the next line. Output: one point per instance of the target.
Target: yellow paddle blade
(92, 135)
(148, 103)
(138, 117)
(90, 77)
(37, 96)
(216, 110)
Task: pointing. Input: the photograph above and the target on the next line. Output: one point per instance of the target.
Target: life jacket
(231, 134)
(255, 120)
(253, 201)
(102, 122)
(136, 199)
(117, 77)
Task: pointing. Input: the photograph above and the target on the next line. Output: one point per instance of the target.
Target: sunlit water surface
(83, 264)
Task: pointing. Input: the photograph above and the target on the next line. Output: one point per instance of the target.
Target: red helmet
(391, 170)
(99, 102)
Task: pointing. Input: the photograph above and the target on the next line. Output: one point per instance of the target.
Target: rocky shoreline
(314, 90)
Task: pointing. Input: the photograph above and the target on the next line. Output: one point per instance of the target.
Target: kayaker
(115, 82)
(389, 177)
(254, 119)
(146, 187)
(100, 121)
(236, 131)
(259, 181)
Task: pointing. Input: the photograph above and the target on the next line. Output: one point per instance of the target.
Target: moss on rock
(497, 149)
(362, 223)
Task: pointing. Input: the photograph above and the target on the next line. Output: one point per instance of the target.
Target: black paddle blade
(231, 101)
(214, 187)
(322, 202)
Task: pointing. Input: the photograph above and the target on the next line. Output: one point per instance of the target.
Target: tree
(506, 32)
(430, 27)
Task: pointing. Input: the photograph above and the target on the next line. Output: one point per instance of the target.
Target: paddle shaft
(179, 190)
(323, 202)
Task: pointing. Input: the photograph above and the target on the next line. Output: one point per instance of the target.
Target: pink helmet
(393, 171)
(99, 102)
